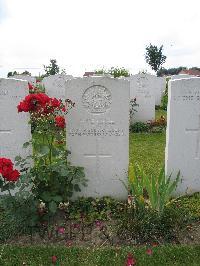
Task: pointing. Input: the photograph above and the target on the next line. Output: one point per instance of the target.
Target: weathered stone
(98, 133)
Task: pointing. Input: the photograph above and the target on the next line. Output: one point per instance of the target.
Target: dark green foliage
(95, 209)
(154, 56)
(10, 74)
(170, 71)
(52, 68)
(164, 100)
(139, 127)
(18, 216)
(26, 72)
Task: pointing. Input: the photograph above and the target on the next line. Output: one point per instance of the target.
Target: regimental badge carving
(97, 99)
(141, 80)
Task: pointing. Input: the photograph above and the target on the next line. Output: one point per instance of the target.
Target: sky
(84, 35)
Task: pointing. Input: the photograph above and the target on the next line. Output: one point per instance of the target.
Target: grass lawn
(39, 256)
(147, 150)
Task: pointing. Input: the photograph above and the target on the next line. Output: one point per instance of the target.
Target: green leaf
(46, 196)
(26, 144)
(43, 149)
(52, 207)
(55, 152)
(57, 198)
(18, 158)
(77, 188)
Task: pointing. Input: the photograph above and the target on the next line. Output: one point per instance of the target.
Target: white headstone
(181, 76)
(141, 89)
(158, 86)
(183, 133)
(14, 127)
(55, 85)
(30, 79)
(98, 133)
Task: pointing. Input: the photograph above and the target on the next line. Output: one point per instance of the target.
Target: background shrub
(139, 127)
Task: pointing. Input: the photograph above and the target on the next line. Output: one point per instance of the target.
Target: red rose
(13, 176)
(23, 107)
(7, 171)
(51, 105)
(55, 102)
(60, 121)
(6, 166)
(33, 102)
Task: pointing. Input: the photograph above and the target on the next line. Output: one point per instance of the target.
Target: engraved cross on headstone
(5, 131)
(197, 131)
(98, 156)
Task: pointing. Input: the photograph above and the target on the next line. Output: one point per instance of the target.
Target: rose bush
(51, 178)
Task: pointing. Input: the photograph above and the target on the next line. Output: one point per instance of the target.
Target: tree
(154, 57)
(170, 71)
(26, 72)
(11, 74)
(114, 71)
(52, 68)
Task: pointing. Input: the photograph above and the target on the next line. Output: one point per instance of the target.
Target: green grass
(147, 150)
(161, 112)
(39, 256)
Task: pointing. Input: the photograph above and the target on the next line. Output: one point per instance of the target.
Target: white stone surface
(158, 86)
(141, 89)
(14, 127)
(30, 79)
(98, 133)
(181, 76)
(55, 85)
(183, 134)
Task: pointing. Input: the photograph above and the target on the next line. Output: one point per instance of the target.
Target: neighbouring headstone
(98, 133)
(14, 127)
(141, 89)
(183, 134)
(30, 79)
(158, 84)
(55, 85)
(181, 76)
